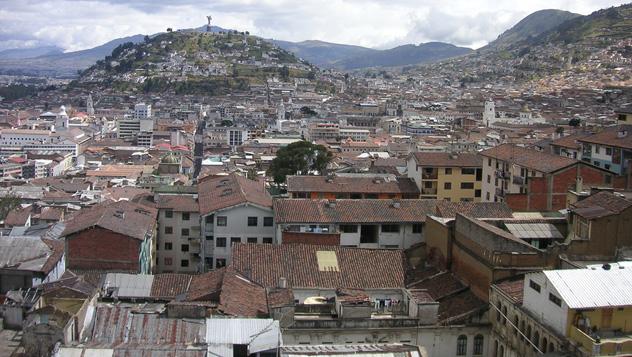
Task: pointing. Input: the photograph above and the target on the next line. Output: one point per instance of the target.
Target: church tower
(489, 115)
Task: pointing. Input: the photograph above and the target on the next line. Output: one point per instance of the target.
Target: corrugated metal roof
(130, 285)
(258, 334)
(588, 288)
(23, 253)
(534, 230)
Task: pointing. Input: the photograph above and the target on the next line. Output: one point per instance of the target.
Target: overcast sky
(78, 24)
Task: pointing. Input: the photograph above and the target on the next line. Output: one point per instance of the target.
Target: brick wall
(310, 238)
(100, 249)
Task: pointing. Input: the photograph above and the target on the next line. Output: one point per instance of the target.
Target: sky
(80, 24)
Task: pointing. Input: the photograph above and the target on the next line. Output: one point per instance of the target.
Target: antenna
(208, 26)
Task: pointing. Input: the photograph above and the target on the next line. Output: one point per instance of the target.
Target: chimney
(395, 204)
(282, 283)
(331, 203)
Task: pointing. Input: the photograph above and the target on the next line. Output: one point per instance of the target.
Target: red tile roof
(352, 211)
(298, 263)
(444, 159)
(168, 286)
(570, 141)
(18, 216)
(242, 297)
(601, 204)
(338, 184)
(178, 203)
(124, 217)
(448, 209)
(528, 158)
(610, 137)
(232, 190)
(514, 289)
(206, 286)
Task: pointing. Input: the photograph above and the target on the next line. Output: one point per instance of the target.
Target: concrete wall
(538, 303)
(177, 240)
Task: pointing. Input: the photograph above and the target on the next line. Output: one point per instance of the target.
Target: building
(179, 236)
(328, 132)
(600, 225)
(610, 149)
(116, 236)
(446, 176)
(585, 312)
(233, 209)
(142, 111)
(568, 146)
(329, 295)
(530, 180)
(363, 223)
(360, 186)
(29, 261)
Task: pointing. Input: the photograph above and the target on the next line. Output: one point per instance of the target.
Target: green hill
(194, 63)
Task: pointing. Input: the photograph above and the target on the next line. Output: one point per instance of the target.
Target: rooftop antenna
(208, 26)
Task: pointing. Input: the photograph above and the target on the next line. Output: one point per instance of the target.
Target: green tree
(285, 73)
(574, 122)
(301, 157)
(308, 111)
(7, 204)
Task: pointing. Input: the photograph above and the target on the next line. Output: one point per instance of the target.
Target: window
(220, 242)
(467, 185)
(478, 345)
(220, 263)
(461, 345)
(209, 219)
(234, 240)
(186, 216)
(609, 151)
(169, 214)
(417, 228)
(267, 240)
(222, 221)
(487, 196)
(349, 228)
(168, 261)
(184, 247)
(477, 193)
(447, 186)
(252, 221)
(448, 171)
(390, 228)
(556, 300)
(252, 240)
(168, 230)
(184, 232)
(168, 246)
(533, 285)
(468, 171)
(268, 221)
(209, 237)
(184, 263)
(489, 178)
(582, 227)
(489, 162)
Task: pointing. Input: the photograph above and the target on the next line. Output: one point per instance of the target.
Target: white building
(142, 111)
(233, 209)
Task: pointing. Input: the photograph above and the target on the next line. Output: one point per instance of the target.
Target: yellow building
(451, 177)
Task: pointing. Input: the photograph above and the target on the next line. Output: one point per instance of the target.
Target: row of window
(461, 345)
(525, 331)
(220, 242)
(385, 228)
(222, 221)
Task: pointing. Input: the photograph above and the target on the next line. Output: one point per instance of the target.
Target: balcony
(501, 174)
(602, 343)
(431, 191)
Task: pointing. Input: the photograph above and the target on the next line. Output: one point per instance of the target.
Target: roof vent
(282, 283)
(396, 204)
(331, 203)
(606, 266)
(622, 133)
(119, 214)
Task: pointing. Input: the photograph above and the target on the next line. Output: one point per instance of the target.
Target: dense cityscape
(211, 192)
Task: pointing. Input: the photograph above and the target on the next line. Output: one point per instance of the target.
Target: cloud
(80, 24)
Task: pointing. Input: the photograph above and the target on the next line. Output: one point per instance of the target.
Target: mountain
(404, 55)
(192, 62)
(323, 54)
(62, 64)
(532, 26)
(591, 51)
(349, 57)
(22, 53)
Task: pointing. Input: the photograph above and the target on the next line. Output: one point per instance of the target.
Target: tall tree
(301, 157)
